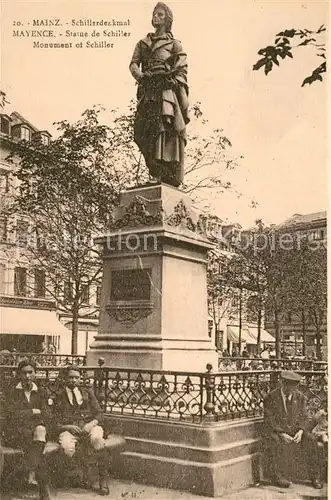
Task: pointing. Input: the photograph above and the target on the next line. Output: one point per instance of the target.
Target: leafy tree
(275, 271)
(285, 43)
(299, 285)
(261, 264)
(67, 189)
(255, 256)
(317, 294)
(236, 276)
(220, 291)
(277, 264)
(297, 299)
(306, 284)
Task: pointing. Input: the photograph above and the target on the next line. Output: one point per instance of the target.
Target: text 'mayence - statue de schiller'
(159, 66)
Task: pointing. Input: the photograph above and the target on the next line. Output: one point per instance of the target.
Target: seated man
(78, 415)
(319, 426)
(26, 419)
(320, 438)
(285, 422)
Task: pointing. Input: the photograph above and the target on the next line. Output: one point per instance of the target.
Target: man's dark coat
(278, 420)
(66, 413)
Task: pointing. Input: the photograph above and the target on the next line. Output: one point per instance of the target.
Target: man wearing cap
(285, 421)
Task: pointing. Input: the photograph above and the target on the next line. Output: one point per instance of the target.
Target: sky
(276, 125)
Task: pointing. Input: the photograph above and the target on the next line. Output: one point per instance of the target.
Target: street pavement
(127, 490)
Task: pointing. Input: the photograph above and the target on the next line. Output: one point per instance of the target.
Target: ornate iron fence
(186, 397)
(240, 394)
(231, 364)
(13, 358)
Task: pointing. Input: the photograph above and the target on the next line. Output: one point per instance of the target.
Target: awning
(233, 334)
(19, 321)
(265, 336)
(248, 334)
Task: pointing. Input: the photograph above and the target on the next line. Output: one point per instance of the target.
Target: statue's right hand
(147, 74)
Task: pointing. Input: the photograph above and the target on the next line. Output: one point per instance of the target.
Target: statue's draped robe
(162, 109)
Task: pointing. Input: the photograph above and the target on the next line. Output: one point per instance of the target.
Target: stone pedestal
(212, 461)
(153, 311)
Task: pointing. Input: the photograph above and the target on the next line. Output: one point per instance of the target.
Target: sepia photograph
(163, 249)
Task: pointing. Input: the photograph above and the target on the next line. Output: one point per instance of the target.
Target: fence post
(98, 380)
(274, 377)
(209, 406)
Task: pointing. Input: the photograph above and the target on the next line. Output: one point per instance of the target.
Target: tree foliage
(283, 47)
(220, 291)
(279, 271)
(307, 293)
(287, 273)
(67, 189)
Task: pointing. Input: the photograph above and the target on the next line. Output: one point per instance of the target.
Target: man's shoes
(44, 492)
(100, 487)
(281, 482)
(104, 489)
(94, 486)
(317, 484)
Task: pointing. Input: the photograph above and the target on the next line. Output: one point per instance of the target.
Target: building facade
(30, 317)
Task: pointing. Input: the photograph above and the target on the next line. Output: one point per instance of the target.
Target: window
(5, 125)
(39, 283)
(210, 327)
(22, 229)
(85, 293)
(314, 235)
(98, 296)
(289, 317)
(41, 137)
(20, 281)
(322, 234)
(4, 182)
(2, 278)
(3, 229)
(67, 292)
(25, 133)
(219, 339)
(44, 139)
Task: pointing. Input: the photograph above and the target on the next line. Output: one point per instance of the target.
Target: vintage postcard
(163, 249)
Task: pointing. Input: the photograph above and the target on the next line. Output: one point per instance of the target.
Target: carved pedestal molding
(129, 312)
(136, 214)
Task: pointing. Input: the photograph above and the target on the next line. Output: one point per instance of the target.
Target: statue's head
(162, 16)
